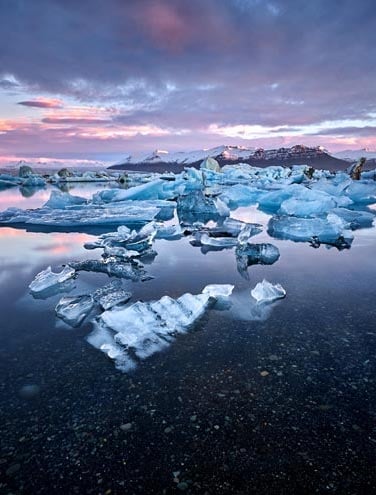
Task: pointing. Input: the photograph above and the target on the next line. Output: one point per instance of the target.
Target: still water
(285, 404)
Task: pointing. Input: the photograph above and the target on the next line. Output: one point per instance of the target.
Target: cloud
(350, 131)
(186, 66)
(42, 103)
(77, 121)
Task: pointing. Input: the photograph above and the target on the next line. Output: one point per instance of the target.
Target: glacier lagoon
(268, 396)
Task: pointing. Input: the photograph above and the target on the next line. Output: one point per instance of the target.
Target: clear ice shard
(74, 309)
(48, 283)
(226, 234)
(140, 330)
(267, 292)
(126, 238)
(111, 295)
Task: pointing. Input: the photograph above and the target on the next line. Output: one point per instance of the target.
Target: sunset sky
(99, 79)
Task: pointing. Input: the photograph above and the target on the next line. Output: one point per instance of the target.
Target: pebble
(29, 391)
(13, 469)
(182, 486)
(126, 427)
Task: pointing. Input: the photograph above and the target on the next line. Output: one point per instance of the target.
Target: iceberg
(265, 292)
(355, 219)
(169, 232)
(255, 254)
(210, 164)
(144, 328)
(302, 208)
(240, 195)
(73, 310)
(62, 200)
(362, 192)
(82, 216)
(48, 283)
(7, 181)
(197, 207)
(328, 230)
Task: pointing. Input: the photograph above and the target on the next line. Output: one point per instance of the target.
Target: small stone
(264, 373)
(29, 391)
(216, 427)
(168, 430)
(182, 486)
(13, 469)
(193, 418)
(273, 357)
(126, 427)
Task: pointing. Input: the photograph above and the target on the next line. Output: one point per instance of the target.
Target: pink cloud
(74, 120)
(42, 103)
(167, 26)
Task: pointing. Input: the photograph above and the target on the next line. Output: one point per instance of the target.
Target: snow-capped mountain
(161, 160)
(353, 155)
(234, 153)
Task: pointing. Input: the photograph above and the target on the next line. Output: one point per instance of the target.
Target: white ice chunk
(218, 290)
(48, 280)
(267, 292)
(147, 327)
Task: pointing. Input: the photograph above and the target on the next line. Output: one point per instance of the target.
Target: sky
(94, 79)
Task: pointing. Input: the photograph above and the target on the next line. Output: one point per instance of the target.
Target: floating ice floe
(47, 282)
(74, 309)
(255, 254)
(113, 268)
(354, 219)
(265, 292)
(140, 330)
(226, 234)
(328, 230)
(124, 237)
(196, 206)
(81, 216)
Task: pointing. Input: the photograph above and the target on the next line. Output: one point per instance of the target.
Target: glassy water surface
(236, 405)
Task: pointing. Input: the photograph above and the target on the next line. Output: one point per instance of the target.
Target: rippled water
(287, 404)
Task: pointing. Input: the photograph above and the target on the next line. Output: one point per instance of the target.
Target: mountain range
(317, 157)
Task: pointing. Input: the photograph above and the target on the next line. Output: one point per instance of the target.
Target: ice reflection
(18, 245)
